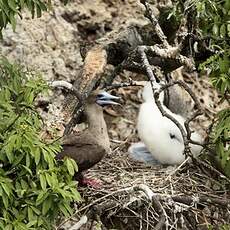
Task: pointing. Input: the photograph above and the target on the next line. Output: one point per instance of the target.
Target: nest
(134, 195)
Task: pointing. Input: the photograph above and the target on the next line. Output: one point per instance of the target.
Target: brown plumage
(87, 148)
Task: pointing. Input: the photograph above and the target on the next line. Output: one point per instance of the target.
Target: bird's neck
(96, 122)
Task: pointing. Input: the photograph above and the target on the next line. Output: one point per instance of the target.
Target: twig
(148, 192)
(188, 200)
(171, 53)
(145, 63)
(83, 220)
(196, 101)
(149, 14)
(79, 109)
(124, 84)
(66, 85)
(151, 196)
(63, 84)
(211, 169)
(95, 202)
(178, 168)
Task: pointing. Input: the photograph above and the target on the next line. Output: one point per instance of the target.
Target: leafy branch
(34, 188)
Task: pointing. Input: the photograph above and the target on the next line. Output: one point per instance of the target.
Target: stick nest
(137, 196)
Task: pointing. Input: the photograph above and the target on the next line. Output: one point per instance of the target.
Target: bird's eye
(172, 136)
(99, 96)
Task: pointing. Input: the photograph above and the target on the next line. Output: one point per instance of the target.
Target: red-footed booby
(162, 141)
(87, 148)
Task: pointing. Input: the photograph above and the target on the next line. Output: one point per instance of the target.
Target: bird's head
(102, 98)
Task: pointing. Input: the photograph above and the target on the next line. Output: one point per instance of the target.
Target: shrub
(209, 20)
(10, 9)
(34, 190)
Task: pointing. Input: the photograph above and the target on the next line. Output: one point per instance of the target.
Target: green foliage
(219, 64)
(221, 138)
(34, 188)
(10, 9)
(221, 227)
(213, 17)
(210, 19)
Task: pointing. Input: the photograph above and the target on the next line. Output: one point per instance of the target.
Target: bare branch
(125, 84)
(83, 220)
(66, 85)
(149, 14)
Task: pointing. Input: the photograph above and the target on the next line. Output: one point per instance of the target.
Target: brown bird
(87, 148)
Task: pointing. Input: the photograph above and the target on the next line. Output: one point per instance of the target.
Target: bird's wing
(138, 151)
(83, 148)
(78, 139)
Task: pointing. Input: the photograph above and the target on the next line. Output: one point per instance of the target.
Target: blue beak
(105, 98)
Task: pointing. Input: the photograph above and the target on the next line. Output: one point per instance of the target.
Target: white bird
(162, 139)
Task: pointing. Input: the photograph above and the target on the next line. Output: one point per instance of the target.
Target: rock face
(51, 44)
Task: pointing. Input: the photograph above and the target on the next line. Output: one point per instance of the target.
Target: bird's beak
(105, 98)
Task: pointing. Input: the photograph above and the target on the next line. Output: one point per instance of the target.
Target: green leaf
(12, 20)
(70, 166)
(76, 194)
(27, 169)
(41, 197)
(37, 156)
(38, 10)
(67, 206)
(3, 19)
(5, 200)
(48, 157)
(9, 227)
(37, 211)
(43, 181)
(27, 200)
(9, 153)
(63, 210)
(6, 188)
(215, 30)
(46, 205)
(43, 6)
(24, 184)
(22, 2)
(32, 223)
(223, 30)
(50, 180)
(27, 160)
(12, 5)
(74, 164)
(30, 214)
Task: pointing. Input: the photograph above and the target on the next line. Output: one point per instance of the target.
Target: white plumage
(160, 135)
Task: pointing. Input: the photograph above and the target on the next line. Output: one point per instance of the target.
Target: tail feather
(139, 152)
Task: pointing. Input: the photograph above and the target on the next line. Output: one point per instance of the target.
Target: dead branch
(122, 51)
(94, 65)
(83, 220)
(124, 84)
(149, 14)
(188, 200)
(65, 85)
(160, 202)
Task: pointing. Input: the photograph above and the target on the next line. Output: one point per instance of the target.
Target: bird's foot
(96, 184)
